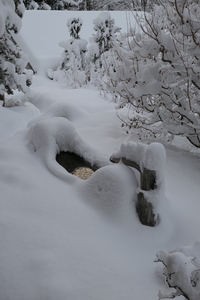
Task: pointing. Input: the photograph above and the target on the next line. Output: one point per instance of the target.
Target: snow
(102, 18)
(8, 17)
(154, 158)
(181, 271)
(65, 238)
(53, 135)
(151, 157)
(131, 150)
(52, 28)
(16, 118)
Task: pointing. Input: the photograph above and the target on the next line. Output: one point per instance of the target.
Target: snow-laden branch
(156, 72)
(181, 271)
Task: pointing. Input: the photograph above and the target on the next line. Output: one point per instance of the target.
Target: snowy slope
(65, 238)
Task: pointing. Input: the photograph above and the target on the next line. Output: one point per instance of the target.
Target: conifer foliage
(50, 4)
(12, 60)
(105, 32)
(71, 71)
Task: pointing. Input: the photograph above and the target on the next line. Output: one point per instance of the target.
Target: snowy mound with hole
(52, 133)
(108, 189)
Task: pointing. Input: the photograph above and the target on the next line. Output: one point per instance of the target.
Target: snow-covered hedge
(12, 59)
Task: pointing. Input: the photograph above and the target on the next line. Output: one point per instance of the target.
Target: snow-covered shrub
(15, 100)
(86, 5)
(100, 44)
(31, 4)
(106, 30)
(157, 72)
(12, 59)
(181, 271)
(50, 4)
(74, 26)
(71, 71)
(62, 4)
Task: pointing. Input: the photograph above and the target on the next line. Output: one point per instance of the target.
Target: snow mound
(131, 150)
(50, 136)
(111, 190)
(16, 118)
(151, 157)
(61, 109)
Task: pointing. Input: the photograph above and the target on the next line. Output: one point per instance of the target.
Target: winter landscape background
(65, 238)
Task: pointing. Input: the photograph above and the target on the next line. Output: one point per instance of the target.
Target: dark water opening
(75, 164)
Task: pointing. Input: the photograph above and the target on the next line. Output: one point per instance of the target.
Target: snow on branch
(182, 272)
(155, 72)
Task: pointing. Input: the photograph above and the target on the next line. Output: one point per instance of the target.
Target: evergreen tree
(74, 26)
(86, 5)
(71, 71)
(106, 30)
(89, 5)
(50, 4)
(12, 60)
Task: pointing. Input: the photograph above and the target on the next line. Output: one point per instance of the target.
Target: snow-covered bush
(72, 68)
(31, 4)
(12, 59)
(102, 40)
(74, 26)
(62, 4)
(100, 44)
(157, 72)
(90, 4)
(50, 4)
(117, 5)
(181, 271)
(85, 5)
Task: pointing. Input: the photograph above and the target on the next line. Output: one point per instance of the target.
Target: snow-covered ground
(65, 238)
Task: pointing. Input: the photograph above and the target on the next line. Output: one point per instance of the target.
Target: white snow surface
(181, 268)
(65, 238)
(151, 157)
